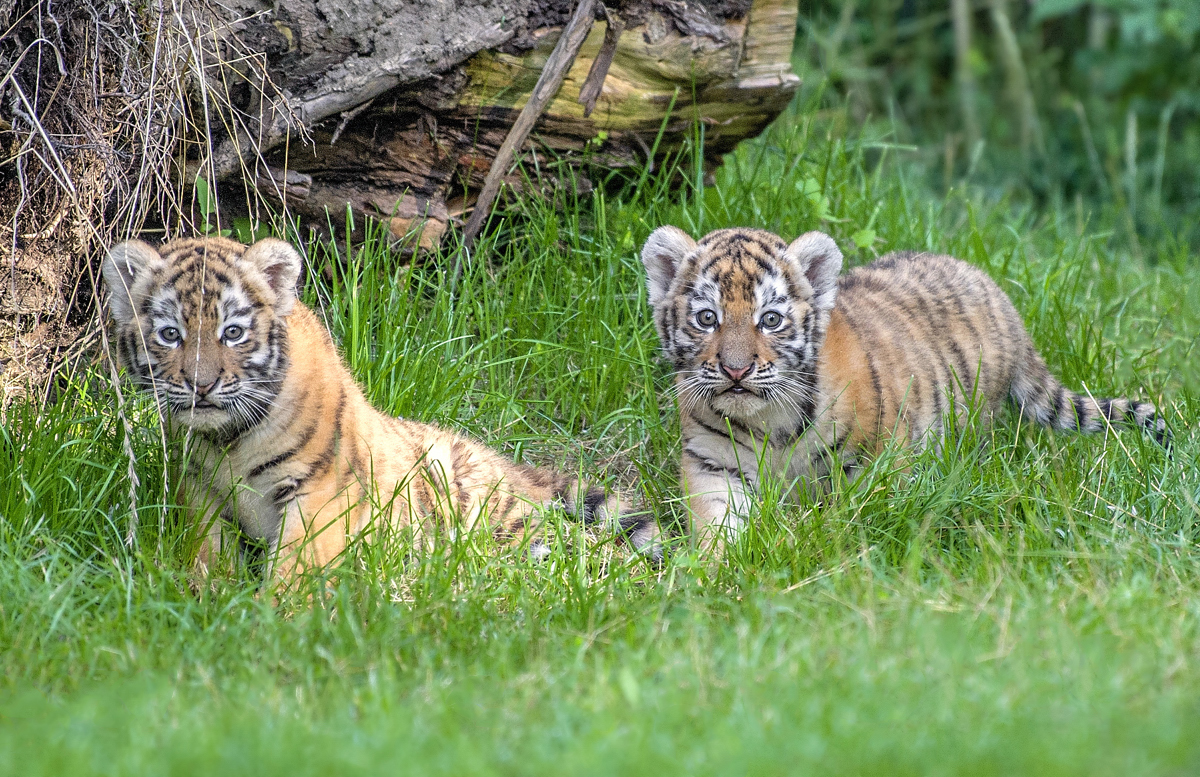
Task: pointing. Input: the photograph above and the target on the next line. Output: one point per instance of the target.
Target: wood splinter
(599, 70)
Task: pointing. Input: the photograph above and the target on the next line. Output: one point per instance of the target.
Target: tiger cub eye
(706, 318)
(770, 320)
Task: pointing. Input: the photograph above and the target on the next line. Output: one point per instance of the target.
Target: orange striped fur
(780, 363)
(283, 444)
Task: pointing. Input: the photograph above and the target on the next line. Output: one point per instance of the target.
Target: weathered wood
(428, 147)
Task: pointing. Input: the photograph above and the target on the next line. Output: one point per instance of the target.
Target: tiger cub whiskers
(782, 364)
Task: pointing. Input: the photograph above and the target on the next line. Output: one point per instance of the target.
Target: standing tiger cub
(283, 442)
(781, 364)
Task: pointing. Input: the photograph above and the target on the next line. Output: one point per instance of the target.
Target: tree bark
(1019, 89)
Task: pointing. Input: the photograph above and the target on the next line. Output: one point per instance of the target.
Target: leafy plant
(206, 203)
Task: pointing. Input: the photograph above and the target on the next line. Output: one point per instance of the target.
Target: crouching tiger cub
(779, 363)
(283, 442)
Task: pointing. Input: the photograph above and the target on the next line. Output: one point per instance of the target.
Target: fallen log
(419, 154)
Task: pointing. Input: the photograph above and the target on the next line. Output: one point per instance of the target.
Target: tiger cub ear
(664, 250)
(818, 257)
(280, 263)
(125, 261)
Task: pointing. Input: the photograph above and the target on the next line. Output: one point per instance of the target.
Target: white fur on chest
(250, 501)
(758, 447)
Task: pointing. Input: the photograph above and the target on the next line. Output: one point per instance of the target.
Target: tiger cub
(284, 445)
(781, 364)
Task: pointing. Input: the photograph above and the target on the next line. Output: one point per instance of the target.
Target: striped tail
(1043, 399)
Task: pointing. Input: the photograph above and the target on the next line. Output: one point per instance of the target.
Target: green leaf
(205, 198)
(863, 238)
(249, 231)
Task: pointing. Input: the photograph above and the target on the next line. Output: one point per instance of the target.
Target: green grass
(1021, 603)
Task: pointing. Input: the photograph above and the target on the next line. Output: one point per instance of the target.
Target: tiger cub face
(200, 324)
(742, 316)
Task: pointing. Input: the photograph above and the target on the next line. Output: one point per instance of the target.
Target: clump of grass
(1017, 601)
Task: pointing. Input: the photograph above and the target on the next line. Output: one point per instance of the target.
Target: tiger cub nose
(203, 389)
(737, 373)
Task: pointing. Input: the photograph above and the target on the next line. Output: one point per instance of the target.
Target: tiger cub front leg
(313, 530)
(719, 500)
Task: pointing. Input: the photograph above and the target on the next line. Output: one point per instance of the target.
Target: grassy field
(1028, 605)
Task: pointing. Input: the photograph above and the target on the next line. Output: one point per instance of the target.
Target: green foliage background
(1119, 76)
